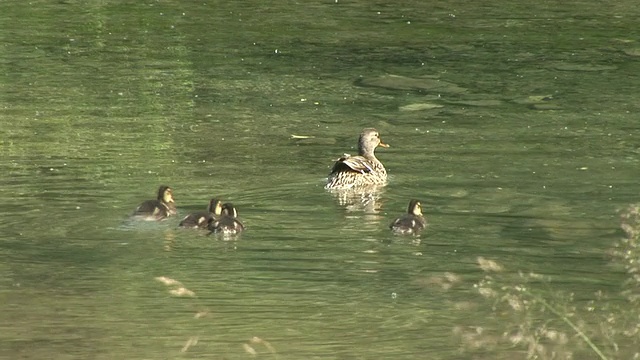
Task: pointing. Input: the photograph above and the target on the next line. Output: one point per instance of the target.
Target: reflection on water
(367, 199)
(169, 240)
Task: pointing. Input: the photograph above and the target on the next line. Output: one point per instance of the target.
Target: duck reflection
(362, 202)
(169, 240)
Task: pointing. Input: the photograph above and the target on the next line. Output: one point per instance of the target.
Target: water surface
(514, 124)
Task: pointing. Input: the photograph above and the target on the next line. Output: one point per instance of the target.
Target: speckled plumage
(410, 223)
(159, 209)
(201, 220)
(228, 223)
(362, 169)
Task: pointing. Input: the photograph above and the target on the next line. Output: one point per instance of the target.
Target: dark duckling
(410, 223)
(228, 222)
(362, 169)
(201, 220)
(159, 209)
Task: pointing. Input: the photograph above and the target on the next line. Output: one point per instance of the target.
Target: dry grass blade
(168, 281)
(191, 342)
(249, 349)
(182, 291)
(258, 341)
(179, 289)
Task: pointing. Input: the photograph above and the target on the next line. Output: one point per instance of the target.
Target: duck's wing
(149, 207)
(408, 221)
(199, 219)
(408, 224)
(352, 163)
(400, 221)
(151, 210)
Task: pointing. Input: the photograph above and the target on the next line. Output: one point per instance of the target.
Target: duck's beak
(383, 144)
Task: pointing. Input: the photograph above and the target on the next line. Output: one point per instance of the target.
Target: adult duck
(362, 169)
(159, 209)
(410, 223)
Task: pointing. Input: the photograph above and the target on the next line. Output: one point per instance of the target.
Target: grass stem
(573, 326)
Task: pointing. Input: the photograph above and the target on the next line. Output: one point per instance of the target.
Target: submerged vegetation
(537, 323)
(253, 347)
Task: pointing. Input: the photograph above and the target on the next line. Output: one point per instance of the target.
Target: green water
(524, 154)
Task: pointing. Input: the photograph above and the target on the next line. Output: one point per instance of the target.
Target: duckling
(410, 223)
(159, 209)
(203, 218)
(362, 169)
(228, 222)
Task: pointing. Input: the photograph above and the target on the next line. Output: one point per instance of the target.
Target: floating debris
(191, 342)
(489, 265)
(168, 281)
(201, 314)
(420, 106)
(249, 349)
(257, 340)
(302, 136)
(182, 291)
(179, 291)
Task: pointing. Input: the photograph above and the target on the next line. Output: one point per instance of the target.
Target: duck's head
(215, 207)
(165, 194)
(415, 208)
(229, 209)
(369, 140)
